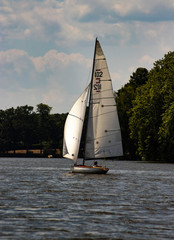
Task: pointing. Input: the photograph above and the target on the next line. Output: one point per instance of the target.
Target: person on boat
(95, 164)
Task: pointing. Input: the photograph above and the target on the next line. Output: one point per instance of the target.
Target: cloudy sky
(46, 46)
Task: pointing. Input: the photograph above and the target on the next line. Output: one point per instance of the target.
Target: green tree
(22, 128)
(152, 112)
(8, 134)
(50, 128)
(43, 111)
(124, 99)
(25, 123)
(166, 136)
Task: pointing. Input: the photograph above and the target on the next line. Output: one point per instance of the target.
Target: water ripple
(41, 199)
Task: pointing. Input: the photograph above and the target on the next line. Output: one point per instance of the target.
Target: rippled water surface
(41, 199)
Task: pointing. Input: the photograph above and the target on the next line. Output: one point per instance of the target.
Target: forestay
(73, 127)
(103, 132)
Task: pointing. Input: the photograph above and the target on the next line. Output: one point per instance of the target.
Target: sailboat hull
(89, 169)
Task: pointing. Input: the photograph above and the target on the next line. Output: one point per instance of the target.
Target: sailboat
(103, 135)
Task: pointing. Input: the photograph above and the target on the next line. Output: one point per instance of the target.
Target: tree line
(24, 128)
(146, 112)
(146, 109)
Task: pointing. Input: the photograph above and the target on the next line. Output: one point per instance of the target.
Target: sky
(46, 46)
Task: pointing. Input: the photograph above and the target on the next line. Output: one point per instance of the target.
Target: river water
(41, 199)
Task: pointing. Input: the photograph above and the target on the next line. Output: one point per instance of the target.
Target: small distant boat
(103, 136)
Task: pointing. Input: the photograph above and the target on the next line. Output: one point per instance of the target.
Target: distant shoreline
(33, 153)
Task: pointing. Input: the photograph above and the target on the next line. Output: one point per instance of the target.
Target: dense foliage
(124, 99)
(146, 112)
(23, 128)
(147, 119)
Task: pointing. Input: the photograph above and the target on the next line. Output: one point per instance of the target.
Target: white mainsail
(73, 127)
(103, 131)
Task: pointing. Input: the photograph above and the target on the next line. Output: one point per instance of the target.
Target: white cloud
(32, 15)
(60, 22)
(132, 69)
(124, 7)
(146, 61)
(27, 32)
(116, 78)
(76, 9)
(18, 58)
(165, 48)
(53, 78)
(47, 44)
(53, 60)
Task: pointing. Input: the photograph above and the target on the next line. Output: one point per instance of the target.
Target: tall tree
(152, 112)
(8, 133)
(25, 124)
(43, 111)
(124, 99)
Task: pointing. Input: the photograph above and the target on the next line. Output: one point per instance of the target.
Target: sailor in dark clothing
(95, 164)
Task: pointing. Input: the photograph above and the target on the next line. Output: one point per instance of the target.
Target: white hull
(89, 169)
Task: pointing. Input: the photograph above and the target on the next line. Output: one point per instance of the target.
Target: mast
(91, 82)
(93, 70)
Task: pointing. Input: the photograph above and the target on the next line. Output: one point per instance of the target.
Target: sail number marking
(98, 75)
(97, 87)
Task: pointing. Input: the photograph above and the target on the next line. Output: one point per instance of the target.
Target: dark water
(40, 199)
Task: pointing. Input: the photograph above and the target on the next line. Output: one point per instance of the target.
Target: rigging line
(105, 66)
(105, 147)
(88, 79)
(95, 96)
(95, 102)
(101, 98)
(111, 105)
(108, 105)
(107, 80)
(99, 59)
(109, 89)
(76, 117)
(103, 136)
(102, 114)
(112, 130)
